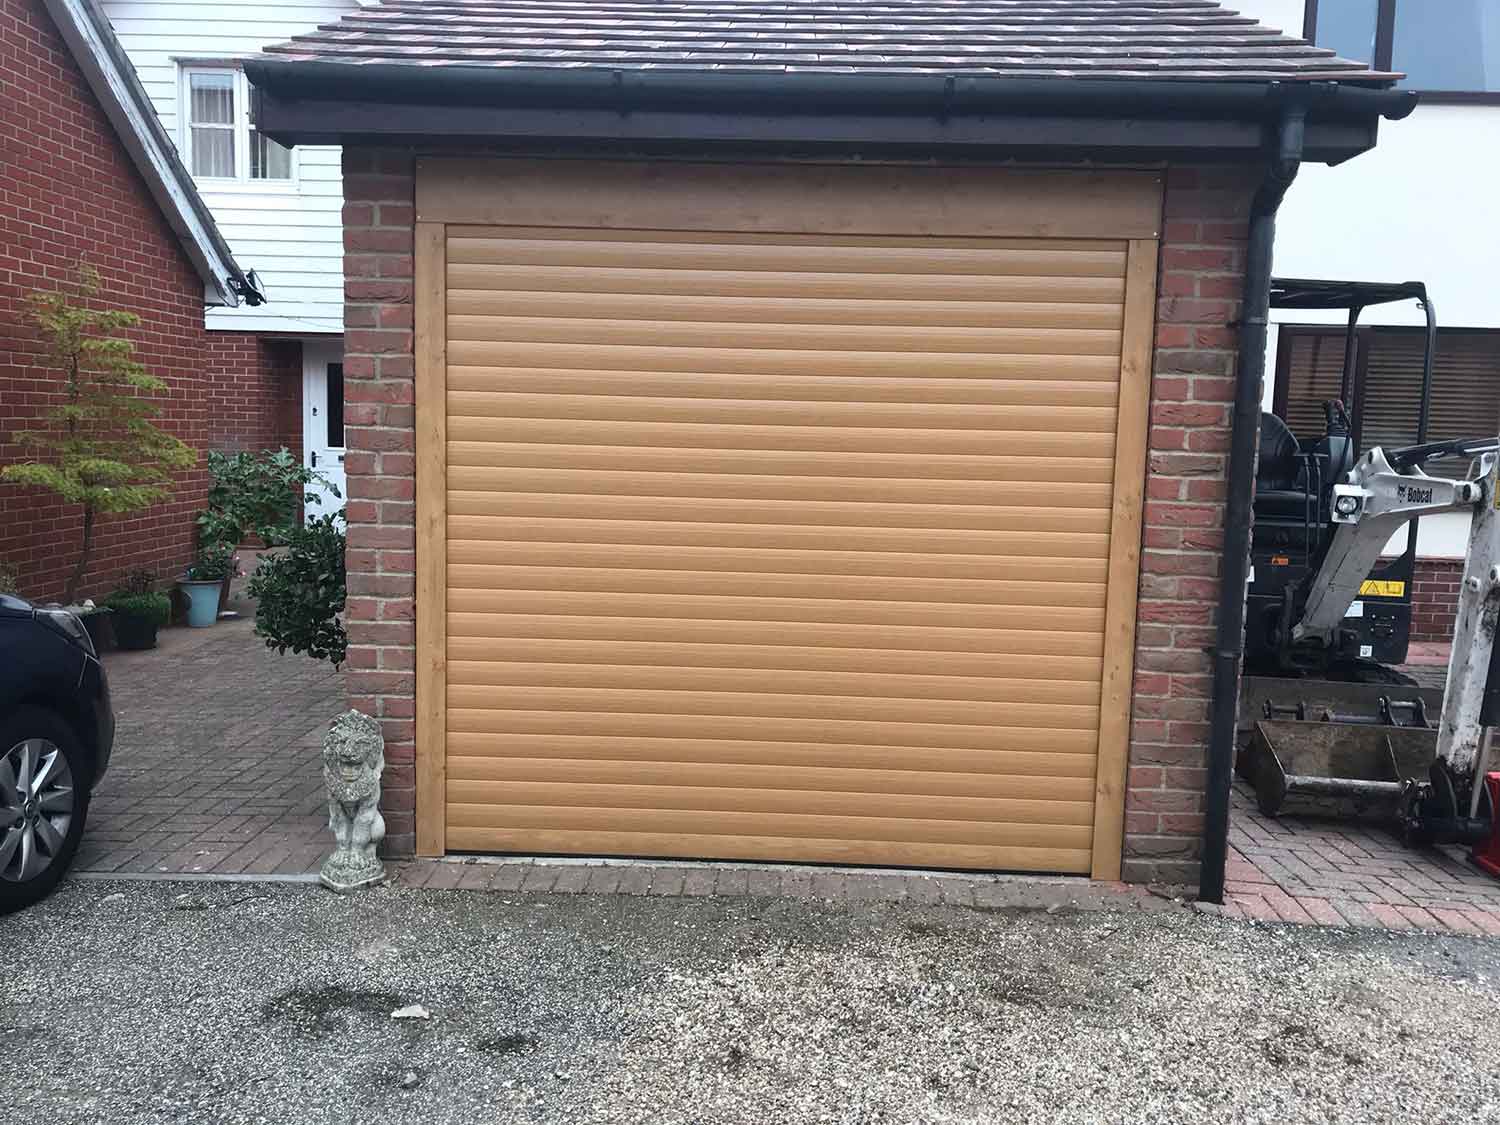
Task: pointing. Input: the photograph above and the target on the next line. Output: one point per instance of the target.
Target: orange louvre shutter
(778, 545)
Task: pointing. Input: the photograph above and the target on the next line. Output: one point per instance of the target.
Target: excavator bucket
(1334, 769)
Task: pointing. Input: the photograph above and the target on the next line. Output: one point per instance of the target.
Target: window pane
(1448, 44)
(212, 101)
(269, 160)
(213, 151)
(1347, 27)
(335, 406)
(1315, 374)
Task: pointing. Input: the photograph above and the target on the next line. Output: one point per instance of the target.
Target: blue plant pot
(203, 602)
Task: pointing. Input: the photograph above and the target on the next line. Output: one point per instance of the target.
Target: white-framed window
(219, 140)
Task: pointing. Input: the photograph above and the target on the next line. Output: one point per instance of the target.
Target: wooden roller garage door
(778, 544)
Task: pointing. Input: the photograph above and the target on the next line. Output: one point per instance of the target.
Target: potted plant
(204, 582)
(139, 610)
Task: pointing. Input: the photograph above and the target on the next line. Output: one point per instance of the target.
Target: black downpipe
(1229, 645)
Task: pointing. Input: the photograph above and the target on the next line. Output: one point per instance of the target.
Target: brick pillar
(1202, 271)
(379, 429)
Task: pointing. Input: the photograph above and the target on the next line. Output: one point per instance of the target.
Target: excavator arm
(1372, 504)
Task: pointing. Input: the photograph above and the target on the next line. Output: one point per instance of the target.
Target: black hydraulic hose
(1424, 413)
(1229, 644)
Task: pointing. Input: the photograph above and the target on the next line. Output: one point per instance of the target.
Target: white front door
(323, 421)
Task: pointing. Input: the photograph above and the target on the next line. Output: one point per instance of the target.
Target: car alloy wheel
(37, 805)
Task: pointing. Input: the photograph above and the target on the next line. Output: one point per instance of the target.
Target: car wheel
(44, 798)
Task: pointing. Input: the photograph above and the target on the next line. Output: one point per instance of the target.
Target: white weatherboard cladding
(290, 234)
(1420, 206)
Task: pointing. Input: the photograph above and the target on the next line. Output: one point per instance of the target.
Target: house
(1419, 208)
(807, 432)
(88, 177)
(279, 208)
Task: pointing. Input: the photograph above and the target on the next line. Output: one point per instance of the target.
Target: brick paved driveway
(216, 760)
(1338, 873)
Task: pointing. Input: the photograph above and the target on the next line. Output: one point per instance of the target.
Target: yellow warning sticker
(1378, 588)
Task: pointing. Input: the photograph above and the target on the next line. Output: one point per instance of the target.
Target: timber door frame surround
(823, 199)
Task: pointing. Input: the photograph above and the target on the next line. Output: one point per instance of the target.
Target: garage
(808, 433)
(779, 508)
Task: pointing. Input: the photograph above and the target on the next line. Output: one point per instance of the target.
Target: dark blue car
(56, 732)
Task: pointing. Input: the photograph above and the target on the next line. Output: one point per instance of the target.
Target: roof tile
(1188, 39)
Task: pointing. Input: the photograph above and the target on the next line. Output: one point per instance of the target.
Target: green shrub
(256, 493)
(155, 607)
(10, 578)
(214, 563)
(300, 595)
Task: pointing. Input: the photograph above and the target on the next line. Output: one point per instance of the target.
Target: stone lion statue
(353, 758)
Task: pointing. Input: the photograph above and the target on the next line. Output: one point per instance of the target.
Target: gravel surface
(127, 1002)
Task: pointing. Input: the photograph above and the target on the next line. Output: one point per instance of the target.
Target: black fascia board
(1032, 136)
(312, 101)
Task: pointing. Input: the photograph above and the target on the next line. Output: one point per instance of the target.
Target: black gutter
(1229, 644)
(790, 92)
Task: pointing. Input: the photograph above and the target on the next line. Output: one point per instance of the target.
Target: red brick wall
(1202, 269)
(69, 195)
(1434, 599)
(254, 392)
(380, 436)
(1202, 263)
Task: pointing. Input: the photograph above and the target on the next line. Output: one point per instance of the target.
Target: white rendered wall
(1423, 205)
(290, 234)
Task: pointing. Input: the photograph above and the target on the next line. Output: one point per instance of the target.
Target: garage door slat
(471, 469)
(496, 768)
(1108, 289)
(606, 406)
(801, 634)
(778, 546)
(486, 568)
(492, 545)
(483, 599)
(792, 255)
(695, 439)
(733, 335)
(690, 821)
(777, 488)
(775, 462)
(680, 797)
(977, 518)
(923, 662)
(775, 849)
(789, 388)
(780, 361)
(879, 312)
(495, 671)
(772, 704)
(930, 741)
(489, 755)
(488, 521)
